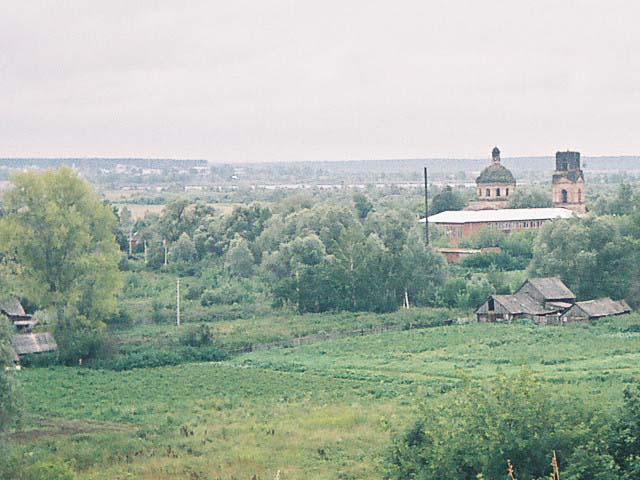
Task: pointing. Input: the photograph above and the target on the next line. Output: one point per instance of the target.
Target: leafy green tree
(328, 221)
(362, 205)
(623, 202)
(392, 228)
(180, 216)
(214, 235)
(530, 198)
(447, 199)
(239, 259)
(60, 236)
(591, 255)
(184, 249)
(357, 265)
(423, 271)
(78, 338)
(174, 220)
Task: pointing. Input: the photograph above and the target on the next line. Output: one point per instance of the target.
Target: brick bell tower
(568, 187)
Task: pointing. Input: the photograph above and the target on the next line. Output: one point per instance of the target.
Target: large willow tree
(59, 237)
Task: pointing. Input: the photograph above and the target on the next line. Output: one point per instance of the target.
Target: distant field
(139, 211)
(321, 411)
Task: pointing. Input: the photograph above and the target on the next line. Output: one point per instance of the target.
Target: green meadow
(324, 410)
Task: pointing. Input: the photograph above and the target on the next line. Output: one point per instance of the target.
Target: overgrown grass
(324, 410)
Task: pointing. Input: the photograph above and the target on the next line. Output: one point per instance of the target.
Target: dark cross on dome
(495, 154)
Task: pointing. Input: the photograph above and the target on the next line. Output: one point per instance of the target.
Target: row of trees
(595, 256)
(329, 256)
(316, 257)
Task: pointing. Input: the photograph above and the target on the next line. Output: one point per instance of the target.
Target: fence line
(323, 336)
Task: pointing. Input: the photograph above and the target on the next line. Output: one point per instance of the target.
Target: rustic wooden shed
(592, 309)
(506, 308)
(549, 290)
(12, 309)
(541, 300)
(26, 343)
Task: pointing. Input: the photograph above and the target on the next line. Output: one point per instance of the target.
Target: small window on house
(492, 304)
(488, 192)
(497, 192)
(579, 196)
(565, 196)
(506, 192)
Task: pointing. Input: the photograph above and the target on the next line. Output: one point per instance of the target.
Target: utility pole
(164, 244)
(426, 207)
(178, 302)
(130, 242)
(145, 252)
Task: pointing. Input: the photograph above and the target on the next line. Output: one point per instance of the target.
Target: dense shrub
(158, 312)
(78, 338)
(159, 358)
(46, 359)
(197, 336)
(502, 261)
(122, 318)
(464, 293)
(473, 430)
(227, 293)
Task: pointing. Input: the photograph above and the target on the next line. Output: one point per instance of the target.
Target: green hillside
(323, 410)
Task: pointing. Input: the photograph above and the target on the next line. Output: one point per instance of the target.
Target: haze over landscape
(295, 240)
(297, 81)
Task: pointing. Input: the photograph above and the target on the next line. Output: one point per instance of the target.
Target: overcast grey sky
(267, 80)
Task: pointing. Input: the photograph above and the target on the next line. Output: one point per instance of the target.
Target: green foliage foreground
(330, 409)
(472, 431)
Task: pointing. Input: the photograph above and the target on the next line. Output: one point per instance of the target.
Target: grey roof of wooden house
(33, 343)
(601, 307)
(517, 304)
(551, 288)
(13, 307)
(521, 304)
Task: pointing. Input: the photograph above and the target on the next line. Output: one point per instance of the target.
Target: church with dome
(494, 185)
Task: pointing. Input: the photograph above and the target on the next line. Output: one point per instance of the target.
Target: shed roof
(603, 307)
(500, 215)
(12, 306)
(520, 303)
(551, 288)
(33, 343)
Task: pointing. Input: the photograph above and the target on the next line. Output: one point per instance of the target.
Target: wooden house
(27, 343)
(549, 291)
(506, 308)
(541, 300)
(14, 311)
(593, 309)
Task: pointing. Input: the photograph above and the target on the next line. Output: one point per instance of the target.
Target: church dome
(496, 173)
